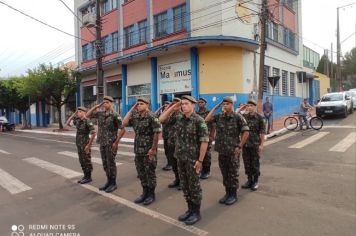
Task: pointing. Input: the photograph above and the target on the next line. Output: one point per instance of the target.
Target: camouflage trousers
(167, 151)
(84, 159)
(207, 159)
(173, 159)
(229, 167)
(146, 170)
(108, 159)
(189, 181)
(251, 159)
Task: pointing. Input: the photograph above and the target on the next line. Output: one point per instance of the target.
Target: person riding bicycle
(304, 107)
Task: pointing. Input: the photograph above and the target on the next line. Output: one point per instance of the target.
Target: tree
(321, 69)
(349, 69)
(52, 85)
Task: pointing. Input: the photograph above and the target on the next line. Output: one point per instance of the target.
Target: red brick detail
(159, 6)
(88, 83)
(289, 19)
(170, 37)
(134, 48)
(113, 78)
(134, 11)
(274, 9)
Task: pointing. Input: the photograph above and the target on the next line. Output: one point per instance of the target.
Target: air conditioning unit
(89, 20)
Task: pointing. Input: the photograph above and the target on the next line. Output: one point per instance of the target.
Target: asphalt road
(307, 187)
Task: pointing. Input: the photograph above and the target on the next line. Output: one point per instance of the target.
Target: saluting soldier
(84, 128)
(229, 127)
(203, 112)
(147, 128)
(191, 144)
(110, 132)
(254, 145)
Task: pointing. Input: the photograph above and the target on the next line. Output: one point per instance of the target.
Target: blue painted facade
(154, 105)
(194, 60)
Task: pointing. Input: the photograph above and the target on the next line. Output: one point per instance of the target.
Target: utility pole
(332, 65)
(338, 53)
(99, 59)
(263, 21)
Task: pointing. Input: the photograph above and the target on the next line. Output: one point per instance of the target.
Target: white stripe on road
(146, 211)
(344, 144)
(59, 170)
(340, 126)
(309, 140)
(75, 155)
(275, 140)
(126, 153)
(12, 184)
(4, 152)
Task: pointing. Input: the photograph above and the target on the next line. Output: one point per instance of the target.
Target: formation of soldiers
(188, 137)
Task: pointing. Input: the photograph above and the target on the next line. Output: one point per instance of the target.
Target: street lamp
(338, 68)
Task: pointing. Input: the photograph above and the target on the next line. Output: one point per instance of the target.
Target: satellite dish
(242, 13)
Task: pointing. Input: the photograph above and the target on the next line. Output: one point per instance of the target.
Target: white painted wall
(139, 73)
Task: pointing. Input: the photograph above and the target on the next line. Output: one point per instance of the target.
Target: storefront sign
(175, 77)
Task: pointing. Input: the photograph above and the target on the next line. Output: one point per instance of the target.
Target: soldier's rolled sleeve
(243, 123)
(203, 132)
(156, 125)
(262, 127)
(118, 120)
(91, 127)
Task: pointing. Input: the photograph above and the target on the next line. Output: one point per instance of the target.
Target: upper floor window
(129, 36)
(289, 3)
(161, 24)
(143, 31)
(179, 18)
(108, 5)
(115, 42)
(107, 44)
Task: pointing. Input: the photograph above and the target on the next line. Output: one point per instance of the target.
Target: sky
(25, 43)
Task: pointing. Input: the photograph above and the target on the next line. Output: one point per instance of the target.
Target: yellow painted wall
(324, 83)
(220, 70)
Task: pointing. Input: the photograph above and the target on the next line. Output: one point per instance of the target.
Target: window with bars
(292, 84)
(179, 18)
(85, 52)
(107, 44)
(276, 72)
(161, 24)
(275, 31)
(266, 88)
(115, 41)
(129, 36)
(284, 83)
(143, 31)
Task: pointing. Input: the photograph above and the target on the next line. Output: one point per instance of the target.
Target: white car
(352, 94)
(334, 104)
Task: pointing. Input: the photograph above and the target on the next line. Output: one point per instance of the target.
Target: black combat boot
(112, 186)
(254, 186)
(174, 184)
(194, 217)
(167, 167)
(143, 196)
(248, 183)
(106, 185)
(223, 199)
(232, 198)
(86, 178)
(205, 173)
(150, 197)
(187, 213)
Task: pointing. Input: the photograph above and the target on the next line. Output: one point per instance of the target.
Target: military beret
(145, 100)
(167, 102)
(108, 98)
(189, 98)
(177, 100)
(252, 102)
(202, 99)
(82, 109)
(228, 99)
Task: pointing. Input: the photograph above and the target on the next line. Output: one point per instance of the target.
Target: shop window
(143, 31)
(129, 36)
(292, 84)
(276, 72)
(266, 88)
(161, 24)
(284, 83)
(179, 18)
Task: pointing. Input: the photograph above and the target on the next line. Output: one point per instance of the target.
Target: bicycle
(291, 122)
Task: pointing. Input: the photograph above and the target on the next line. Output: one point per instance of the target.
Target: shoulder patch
(203, 125)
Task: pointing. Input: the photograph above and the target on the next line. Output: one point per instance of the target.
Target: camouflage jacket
(84, 128)
(228, 130)
(190, 133)
(170, 125)
(257, 126)
(108, 125)
(204, 114)
(145, 127)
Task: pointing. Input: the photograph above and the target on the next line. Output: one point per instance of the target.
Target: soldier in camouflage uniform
(254, 145)
(191, 144)
(147, 129)
(229, 127)
(83, 142)
(169, 125)
(110, 132)
(203, 112)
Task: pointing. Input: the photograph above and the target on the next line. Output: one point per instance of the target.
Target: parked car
(334, 104)
(352, 94)
(5, 125)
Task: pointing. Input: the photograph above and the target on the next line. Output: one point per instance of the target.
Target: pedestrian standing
(147, 129)
(252, 150)
(203, 112)
(228, 143)
(110, 132)
(84, 128)
(191, 145)
(268, 114)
